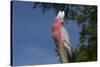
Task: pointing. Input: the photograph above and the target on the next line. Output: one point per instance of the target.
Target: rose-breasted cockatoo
(60, 34)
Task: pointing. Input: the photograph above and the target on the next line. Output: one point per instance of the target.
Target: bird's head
(60, 16)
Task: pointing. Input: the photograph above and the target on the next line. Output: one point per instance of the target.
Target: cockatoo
(60, 34)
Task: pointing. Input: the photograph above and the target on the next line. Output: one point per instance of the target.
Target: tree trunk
(62, 54)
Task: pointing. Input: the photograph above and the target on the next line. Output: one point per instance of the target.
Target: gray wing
(65, 37)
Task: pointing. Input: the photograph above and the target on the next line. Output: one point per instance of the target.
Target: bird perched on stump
(60, 34)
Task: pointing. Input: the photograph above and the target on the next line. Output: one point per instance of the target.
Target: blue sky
(32, 40)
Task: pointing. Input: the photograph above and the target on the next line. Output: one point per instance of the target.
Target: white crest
(58, 15)
(61, 15)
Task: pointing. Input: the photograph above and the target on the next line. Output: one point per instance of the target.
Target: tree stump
(62, 54)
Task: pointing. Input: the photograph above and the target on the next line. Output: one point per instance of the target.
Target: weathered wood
(62, 54)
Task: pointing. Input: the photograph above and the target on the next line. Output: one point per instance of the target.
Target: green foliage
(88, 51)
(71, 11)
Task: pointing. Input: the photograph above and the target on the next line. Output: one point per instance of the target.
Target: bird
(60, 33)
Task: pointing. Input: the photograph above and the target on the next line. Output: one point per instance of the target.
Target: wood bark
(62, 54)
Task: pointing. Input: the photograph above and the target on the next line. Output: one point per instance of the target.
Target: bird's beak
(62, 20)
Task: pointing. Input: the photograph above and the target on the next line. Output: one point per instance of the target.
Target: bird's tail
(70, 54)
(69, 51)
(68, 48)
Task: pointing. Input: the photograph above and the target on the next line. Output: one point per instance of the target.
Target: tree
(88, 51)
(86, 17)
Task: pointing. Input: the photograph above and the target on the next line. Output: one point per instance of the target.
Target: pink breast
(56, 32)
